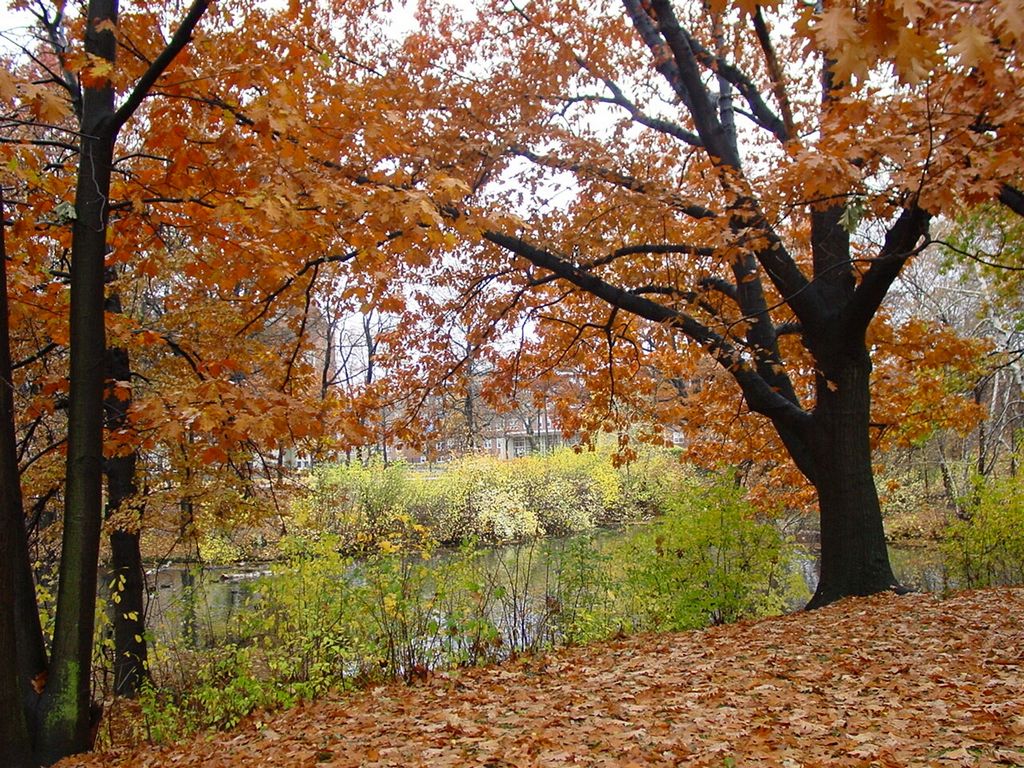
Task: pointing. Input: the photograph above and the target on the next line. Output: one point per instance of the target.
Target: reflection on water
(921, 568)
(200, 607)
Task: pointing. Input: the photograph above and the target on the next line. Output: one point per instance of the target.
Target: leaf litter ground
(879, 681)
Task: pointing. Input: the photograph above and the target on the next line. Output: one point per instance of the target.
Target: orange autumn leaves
(915, 36)
(287, 156)
(251, 186)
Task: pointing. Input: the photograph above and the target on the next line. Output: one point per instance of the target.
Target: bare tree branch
(677, 201)
(901, 242)
(775, 71)
(760, 113)
(701, 106)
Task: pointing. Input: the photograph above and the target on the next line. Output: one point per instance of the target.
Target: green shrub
(303, 618)
(986, 547)
(463, 600)
(584, 601)
(163, 719)
(230, 688)
(503, 514)
(708, 560)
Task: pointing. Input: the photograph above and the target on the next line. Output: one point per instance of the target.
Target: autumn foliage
(657, 217)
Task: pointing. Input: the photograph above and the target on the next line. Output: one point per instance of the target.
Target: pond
(199, 606)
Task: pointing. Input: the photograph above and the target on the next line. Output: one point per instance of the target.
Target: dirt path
(884, 681)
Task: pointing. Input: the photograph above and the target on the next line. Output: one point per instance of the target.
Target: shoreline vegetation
(885, 680)
(365, 592)
(387, 574)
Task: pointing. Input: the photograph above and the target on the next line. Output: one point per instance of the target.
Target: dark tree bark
(126, 574)
(131, 669)
(15, 741)
(854, 555)
(15, 745)
(65, 727)
(1012, 198)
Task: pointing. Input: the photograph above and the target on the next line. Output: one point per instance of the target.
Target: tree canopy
(660, 215)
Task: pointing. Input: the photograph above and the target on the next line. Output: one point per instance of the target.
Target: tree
(15, 745)
(64, 723)
(219, 209)
(703, 186)
(968, 286)
(123, 514)
(985, 251)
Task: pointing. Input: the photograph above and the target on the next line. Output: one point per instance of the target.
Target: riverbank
(886, 680)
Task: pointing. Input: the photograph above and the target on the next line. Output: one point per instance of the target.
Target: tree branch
(313, 264)
(760, 397)
(1012, 198)
(774, 71)
(656, 123)
(177, 349)
(300, 336)
(55, 37)
(692, 250)
(630, 250)
(39, 355)
(649, 33)
(760, 113)
(701, 106)
(724, 287)
(901, 243)
(802, 296)
(40, 143)
(633, 184)
(180, 39)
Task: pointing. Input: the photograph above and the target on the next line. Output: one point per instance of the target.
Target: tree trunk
(127, 579)
(15, 744)
(130, 659)
(65, 726)
(854, 556)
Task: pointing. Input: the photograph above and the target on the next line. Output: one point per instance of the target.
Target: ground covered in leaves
(886, 681)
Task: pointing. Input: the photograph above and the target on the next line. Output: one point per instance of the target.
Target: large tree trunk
(65, 726)
(15, 744)
(854, 556)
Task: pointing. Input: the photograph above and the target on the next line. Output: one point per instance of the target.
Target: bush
(587, 581)
(708, 560)
(361, 504)
(303, 618)
(986, 547)
(450, 504)
(485, 499)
